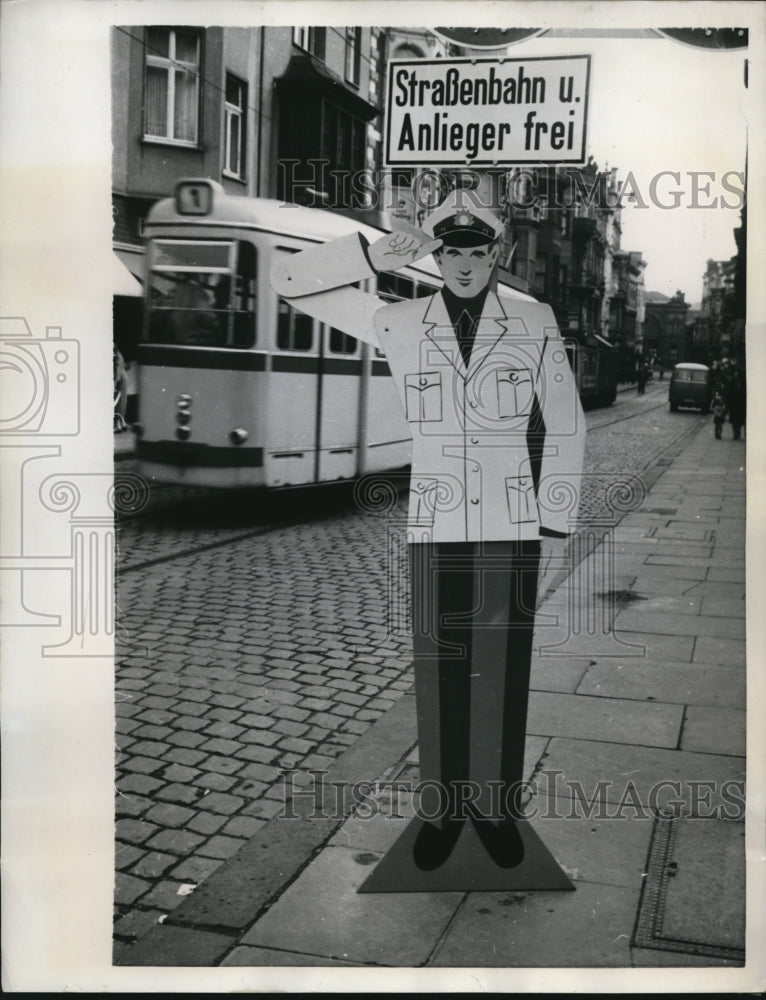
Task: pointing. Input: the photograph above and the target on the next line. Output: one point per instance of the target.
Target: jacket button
(514, 376)
(474, 440)
(424, 381)
(474, 501)
(473, 404)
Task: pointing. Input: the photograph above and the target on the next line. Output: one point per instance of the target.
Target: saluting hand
(395, 250)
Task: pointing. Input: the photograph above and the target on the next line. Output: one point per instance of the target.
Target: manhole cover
(693, 897)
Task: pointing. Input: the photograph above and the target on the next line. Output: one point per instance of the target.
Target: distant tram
(595, 370)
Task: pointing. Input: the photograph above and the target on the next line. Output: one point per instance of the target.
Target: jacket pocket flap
(515, 376)
(423, 380)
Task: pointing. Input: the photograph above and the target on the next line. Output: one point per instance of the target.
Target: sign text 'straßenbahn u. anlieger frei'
(486, 112)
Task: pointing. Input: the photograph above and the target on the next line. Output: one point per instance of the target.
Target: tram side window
(395, 287)
(202, 294)
(245, 297)
(342, 343)
(294, 329)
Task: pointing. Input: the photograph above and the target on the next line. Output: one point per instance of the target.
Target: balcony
(587, 278)
(584, 219)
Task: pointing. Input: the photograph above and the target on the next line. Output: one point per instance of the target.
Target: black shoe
(433, 845)
(503, 842)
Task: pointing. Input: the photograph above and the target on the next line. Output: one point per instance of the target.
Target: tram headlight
(183, 416)
(238, 436)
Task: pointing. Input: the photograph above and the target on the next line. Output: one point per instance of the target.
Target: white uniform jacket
(472, 474)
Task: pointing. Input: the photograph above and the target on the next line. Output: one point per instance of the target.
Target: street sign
(486, 112)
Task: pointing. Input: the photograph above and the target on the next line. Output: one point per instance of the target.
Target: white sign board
(486, 112)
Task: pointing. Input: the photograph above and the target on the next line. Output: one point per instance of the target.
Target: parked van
(690, 385)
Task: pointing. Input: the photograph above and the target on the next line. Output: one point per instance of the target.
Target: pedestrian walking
(120, 395)
(719, 413)
(498, 443)
(737, 402)
(641, 379)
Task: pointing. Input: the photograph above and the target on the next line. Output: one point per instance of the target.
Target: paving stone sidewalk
(648, 688)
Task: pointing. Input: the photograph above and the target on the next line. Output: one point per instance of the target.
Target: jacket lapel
(493, 324)
(438, 328)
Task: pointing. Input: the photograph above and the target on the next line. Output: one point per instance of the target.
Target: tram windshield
(202, 293)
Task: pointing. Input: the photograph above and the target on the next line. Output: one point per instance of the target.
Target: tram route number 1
(194, 198)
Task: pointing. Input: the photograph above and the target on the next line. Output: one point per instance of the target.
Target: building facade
(667, 330)
(720, 329)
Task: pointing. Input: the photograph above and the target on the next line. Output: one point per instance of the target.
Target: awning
(126, 267)
(308, 76)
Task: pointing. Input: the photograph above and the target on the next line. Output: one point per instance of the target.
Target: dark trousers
(473, 621)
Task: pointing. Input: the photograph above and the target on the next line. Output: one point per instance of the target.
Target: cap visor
(465, 238)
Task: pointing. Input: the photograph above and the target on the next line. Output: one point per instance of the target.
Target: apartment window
(234, 127)
(353, 55)
(541, 281)
(171, 108)
(311, 38)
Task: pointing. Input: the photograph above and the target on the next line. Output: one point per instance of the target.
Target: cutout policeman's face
(467, 270)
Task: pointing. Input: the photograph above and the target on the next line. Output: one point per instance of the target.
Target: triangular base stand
(469, 868)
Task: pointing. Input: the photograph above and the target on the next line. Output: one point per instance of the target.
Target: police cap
(460, 221)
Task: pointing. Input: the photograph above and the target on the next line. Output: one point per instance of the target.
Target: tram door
(293, 398)
(338, 405)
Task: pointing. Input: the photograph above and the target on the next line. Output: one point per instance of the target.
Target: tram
(595, 371)
(237, 388)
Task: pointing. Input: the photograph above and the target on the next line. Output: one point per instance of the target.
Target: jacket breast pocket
(514, 392)
(423, 496)
(423, 392)
(522, 503)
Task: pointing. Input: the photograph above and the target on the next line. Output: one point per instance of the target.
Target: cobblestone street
(252, 641)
